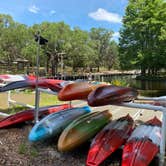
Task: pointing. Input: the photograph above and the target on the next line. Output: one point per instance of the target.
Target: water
(146, 88)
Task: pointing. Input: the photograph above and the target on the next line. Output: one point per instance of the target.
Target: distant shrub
(119, 82)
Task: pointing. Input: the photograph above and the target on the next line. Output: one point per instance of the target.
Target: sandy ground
(16, 150)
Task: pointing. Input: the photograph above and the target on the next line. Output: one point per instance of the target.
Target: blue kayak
(55, 123)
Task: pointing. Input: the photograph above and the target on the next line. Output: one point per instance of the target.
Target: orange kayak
(77, 91)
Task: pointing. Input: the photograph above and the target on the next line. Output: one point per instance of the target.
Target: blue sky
(77, 13)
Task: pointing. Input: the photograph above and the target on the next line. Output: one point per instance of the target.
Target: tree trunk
(98, 68)
(52, 65)
(143, 71)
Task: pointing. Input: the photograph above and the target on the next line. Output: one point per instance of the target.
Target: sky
(76, 13)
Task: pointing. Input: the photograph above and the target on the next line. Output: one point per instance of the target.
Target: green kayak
(82, 129)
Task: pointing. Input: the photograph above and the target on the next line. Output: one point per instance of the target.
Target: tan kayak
(82, 129)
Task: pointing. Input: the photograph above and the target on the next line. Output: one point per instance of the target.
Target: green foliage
(27, 150)
(82, 49)
(22, 149)
(119, 82)
(105, 50)
(143, 36)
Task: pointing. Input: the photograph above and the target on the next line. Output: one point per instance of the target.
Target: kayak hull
(139, 153)
(143, 144)
(42, 83)
(76, 91)
(109, 139)
(82, 129)
(54, 124)
(110, 94)
(28, 115)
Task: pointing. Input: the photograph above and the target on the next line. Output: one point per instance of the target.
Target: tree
(101, 39)
(14, 36)
(143, 36)
(111, 58)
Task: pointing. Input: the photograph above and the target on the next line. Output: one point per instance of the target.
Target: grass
(27, 97)
(24, 149)
(47, 99)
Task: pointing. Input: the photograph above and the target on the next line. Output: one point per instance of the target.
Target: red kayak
(143, 144)
(77, 91)
(110, 94)
(31, 83)
(109, 139)
(28, 115)
(12, 78)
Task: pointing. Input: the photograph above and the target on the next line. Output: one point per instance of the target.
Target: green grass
(47, 99)
(28, 97)
(24, 149)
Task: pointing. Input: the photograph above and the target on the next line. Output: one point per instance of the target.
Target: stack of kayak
(77, 125)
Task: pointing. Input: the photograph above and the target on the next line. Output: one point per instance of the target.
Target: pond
(146, 88)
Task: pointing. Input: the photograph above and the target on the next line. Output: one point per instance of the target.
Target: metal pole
(61, 66)
(37, 80)
(144, 106)
(163, 140)
(161, 98)
(8, 98)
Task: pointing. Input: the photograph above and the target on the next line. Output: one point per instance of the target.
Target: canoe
(28, 115)
(77, 91)
(109, 139)
(53, 124)
(82, 129)
(52, 84)
(143, 144)
(111, 94)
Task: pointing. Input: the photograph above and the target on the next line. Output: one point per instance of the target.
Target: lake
(146, 88)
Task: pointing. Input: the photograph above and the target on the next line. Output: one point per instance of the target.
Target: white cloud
(104, 15)
(116, 35)
(34, 9)
(52, 12)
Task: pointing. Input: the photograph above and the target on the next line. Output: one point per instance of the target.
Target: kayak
(109, 139)
(143, 144)
(111, 94)
(82, 129)
(28, 115)
(52, 84)
(77, 91)
(12, 78)
(53, 124)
